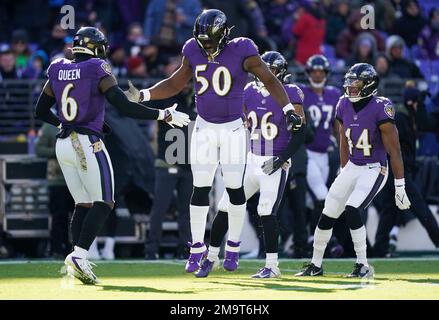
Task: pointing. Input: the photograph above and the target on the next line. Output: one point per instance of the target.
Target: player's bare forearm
(174, 84)
(389, 135)
(344, 146)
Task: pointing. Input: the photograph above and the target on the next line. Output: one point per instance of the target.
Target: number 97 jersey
(321, 109)
(362, 129)
(269, 134)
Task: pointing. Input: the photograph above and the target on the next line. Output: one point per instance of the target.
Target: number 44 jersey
(362, 129)
(321, 109)
(76, 88)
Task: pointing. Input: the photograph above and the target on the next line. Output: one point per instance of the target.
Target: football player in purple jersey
(220, 67)
(367, 133)
(79, 89)
(320, 102)
(272, 145)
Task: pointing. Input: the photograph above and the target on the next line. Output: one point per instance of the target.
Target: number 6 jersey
(76, 87)
(219, 82)
(362, 129)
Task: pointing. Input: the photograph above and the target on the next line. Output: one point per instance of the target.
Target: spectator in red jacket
(346, 39)
(309, 30)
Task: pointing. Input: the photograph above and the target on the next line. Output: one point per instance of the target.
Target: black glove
(294, 121)
(272, 165)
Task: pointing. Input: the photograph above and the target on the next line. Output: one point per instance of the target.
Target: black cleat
(361, 271)
(310, 270)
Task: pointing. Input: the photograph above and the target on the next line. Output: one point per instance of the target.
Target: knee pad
(236, 196)
(353, 218)
(200, 196)
(325, 222)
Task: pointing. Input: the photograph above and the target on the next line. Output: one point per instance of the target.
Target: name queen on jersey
(269, 135)
(83, 107)
(220, 81)
(362, 129)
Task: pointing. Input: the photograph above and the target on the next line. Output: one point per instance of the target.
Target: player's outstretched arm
(115, 96)
(344, 145)
(164, 89)
(389, 135)
(256, 66)
(45, 101)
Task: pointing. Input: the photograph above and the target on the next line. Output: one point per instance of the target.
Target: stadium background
(145, 40)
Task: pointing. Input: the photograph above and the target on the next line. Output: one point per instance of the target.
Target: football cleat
(265, 273)
(310, 270)
(81, 269)
(198, 254)
(206, 268)
(231, 256)
(361, 271)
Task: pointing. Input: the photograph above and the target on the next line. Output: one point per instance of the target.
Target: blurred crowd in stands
(145, 34)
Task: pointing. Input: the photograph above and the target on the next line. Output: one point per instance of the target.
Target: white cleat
(266, 273)
(81, 269)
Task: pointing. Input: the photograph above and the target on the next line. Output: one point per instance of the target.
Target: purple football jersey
(76, 89)
(322, 111)
(269, 134)
(219, 83)
(362, 129)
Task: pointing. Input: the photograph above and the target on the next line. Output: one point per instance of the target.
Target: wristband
(288, 107)
(145, 95)
(161, 115)
(400, 182)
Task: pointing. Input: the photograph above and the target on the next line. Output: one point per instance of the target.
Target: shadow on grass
(141, 289)
(276, 285)
(423, 281)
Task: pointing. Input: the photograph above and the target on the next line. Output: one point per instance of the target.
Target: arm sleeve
(296, 141)
(117, 98)
(42, 109)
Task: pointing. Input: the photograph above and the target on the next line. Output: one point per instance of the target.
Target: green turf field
(394, 279)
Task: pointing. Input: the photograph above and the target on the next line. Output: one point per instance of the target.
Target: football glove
(175, 118)
(401, 199)
(294, 121)
(272, 165)
(133, 94)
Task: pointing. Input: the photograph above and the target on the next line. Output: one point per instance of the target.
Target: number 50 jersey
(269, 134)
(219, 82)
